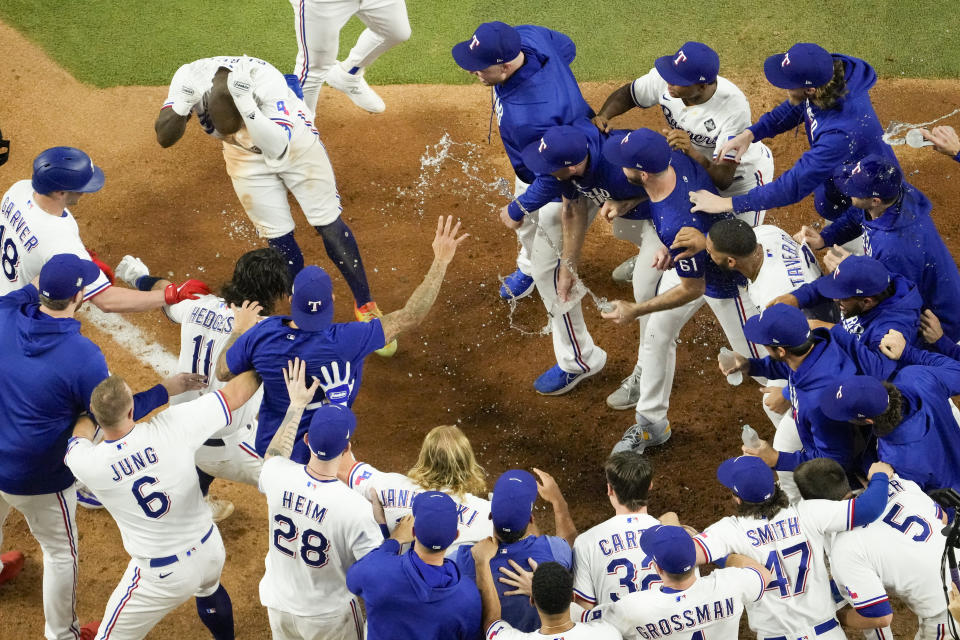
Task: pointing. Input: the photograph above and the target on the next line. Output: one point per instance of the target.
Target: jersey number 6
(313, 544)
(154, 505)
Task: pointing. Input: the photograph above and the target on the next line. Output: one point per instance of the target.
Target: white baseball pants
(236, 460)
(787, 439)
(52, 518)
(318, 24)
(347, 624)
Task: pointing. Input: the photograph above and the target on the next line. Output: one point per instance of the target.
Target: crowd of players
(832, 516)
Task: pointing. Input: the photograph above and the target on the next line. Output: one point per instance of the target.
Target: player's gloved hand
(131, 269)
(240, 86)
(518, 577)
(507, 221)
(336, 387)
(295, 377)
(620, 311)
(245, 316)
(944, 139)
(188, 90)
(834, 257)
(930, 327)
(691, 240)
(187, 290)
(810, 236)
(107, 271)
(181, 382)
(893, 344)
(484, 551)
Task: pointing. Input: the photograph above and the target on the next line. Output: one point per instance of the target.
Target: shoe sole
(387, 351)
(523, 294)
(575, 381)
(227, 512)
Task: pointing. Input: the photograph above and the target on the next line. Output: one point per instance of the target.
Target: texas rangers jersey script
(147, 479)
(318, 529)
(599, 630)
(725, 115)
(787, 264)
(608, 562)
(29, 236)
(710, 608)
(396, 492)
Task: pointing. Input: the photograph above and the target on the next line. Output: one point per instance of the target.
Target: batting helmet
(65, 169)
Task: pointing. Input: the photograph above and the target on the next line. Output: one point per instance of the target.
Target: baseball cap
(693, 63)
(492, 43)
(559, 147)
(855, 397)
(780, 325)
(434, 520)
(803, 65)
(330, 429)
(312, 304)
(513, 496)
(855, 276)
(747, 476)
(64, 274)
(872, 177)
(671, 547)
(642, 149)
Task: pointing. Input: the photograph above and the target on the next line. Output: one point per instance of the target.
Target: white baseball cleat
(131, 269)
(356, 88)
(627, 394)
(624, 271)
(219, 509)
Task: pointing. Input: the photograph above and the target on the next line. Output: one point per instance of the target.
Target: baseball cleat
(356, 88)
(627, 394)
(12, 562)
(368, 312)
(556, 382)
(85, 498)
(640, 436)
(131, 269)
(219, 509)
(624, 272)
(89, 630)
(516, 285)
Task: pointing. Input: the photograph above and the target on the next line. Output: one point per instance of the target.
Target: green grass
(124, 42)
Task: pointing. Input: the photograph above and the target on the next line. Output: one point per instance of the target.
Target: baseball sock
(205, 481)
(342, 248)
(290, 250)
(216, 612)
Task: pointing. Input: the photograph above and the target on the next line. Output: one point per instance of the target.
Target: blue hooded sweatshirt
(407, 598)
(845, 133)
(905, 239)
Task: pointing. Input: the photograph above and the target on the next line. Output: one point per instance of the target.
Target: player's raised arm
(295, 376)
(241, 389)
(618, 102)
(186, 90)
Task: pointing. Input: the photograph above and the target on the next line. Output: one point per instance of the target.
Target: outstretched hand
(295, 377)
(446, 241)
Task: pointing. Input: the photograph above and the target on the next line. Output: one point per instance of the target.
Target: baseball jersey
(900, 552)
(318, 529)
(599, 630)
(395, 492)
(725, 115)
(147, 480)
(710, 608)
(29, 236)
(205, 327)
(608, 562)
(274, 98)
(787, 264)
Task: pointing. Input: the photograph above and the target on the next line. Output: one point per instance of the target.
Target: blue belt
(167, 560)
(823, 627)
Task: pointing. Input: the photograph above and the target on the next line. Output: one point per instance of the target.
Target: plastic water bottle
(750, 437)
(727, 359)
(916, 140)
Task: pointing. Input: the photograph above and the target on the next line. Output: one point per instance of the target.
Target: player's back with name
(608, 562)
(787, 264)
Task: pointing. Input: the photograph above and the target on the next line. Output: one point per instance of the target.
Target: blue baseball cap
(855, 276)
(331, 427)
(693, 63)
(312, 304)
(513, 496)
(780, 325)
(804, 65)
(855, 397)
(63, 275)
(492, 43)
(749, 477)
(642, 149)
(559, 147)
(671, 547)
(872, 177)
(434, 520)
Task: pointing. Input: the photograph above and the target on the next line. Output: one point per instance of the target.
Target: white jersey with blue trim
(147, 480)
(608, 562)
(599, 630)
(787, 265)
(710, 608)
(725, 115)
(792, 546)
(318, 529)
(29, 236)
(205, 327)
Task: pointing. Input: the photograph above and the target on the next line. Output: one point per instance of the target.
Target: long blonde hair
(446, 462)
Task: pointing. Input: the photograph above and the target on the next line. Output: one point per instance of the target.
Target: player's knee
(398, 33)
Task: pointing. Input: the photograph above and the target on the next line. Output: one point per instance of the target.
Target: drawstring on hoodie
(490, 126)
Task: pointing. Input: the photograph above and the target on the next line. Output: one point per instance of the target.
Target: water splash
(892, 135)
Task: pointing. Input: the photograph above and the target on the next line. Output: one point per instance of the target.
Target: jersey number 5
(313, 544)
(904, 527)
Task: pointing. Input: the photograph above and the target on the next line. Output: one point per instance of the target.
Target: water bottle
(750, 437)
(727, 360)
(916, 140)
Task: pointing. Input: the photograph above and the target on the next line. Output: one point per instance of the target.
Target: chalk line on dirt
(130, 337)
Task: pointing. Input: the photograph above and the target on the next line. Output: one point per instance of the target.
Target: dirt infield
(176, 209)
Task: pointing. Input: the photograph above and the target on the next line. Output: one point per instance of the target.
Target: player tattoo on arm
(294, 375)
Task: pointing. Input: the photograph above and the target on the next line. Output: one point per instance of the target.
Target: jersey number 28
(313, 544)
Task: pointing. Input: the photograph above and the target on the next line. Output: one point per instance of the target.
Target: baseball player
(829, 93)
(446, 463)
(667, 176)
(266, 156)
(36, 224)
(144, 475)
(790, 541)
(534, 89)
(944, 139)
(686, 605)
(318, 527)
(260, 285)
(318, 24)
(898, 553)
(310, 333)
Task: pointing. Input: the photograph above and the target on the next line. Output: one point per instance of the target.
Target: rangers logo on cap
(474, 42)
(543, 145)
(681, 57)
(839, 392)
(786, 60)
(856, 169)
(315, 304)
